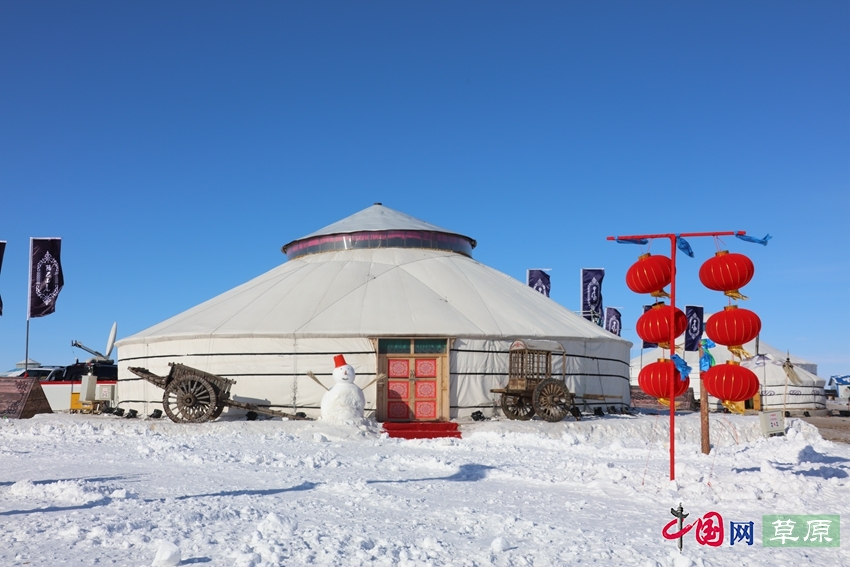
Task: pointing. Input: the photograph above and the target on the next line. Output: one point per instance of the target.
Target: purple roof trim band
(423, 239)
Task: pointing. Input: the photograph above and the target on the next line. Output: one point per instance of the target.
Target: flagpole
(27, 351)
(675, 376)
(29, 303)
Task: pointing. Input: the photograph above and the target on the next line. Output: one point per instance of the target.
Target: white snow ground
(101, 490)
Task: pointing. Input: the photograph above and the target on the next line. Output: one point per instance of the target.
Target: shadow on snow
(467, 473)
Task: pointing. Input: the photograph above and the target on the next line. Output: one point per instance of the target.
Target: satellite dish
(110, 342)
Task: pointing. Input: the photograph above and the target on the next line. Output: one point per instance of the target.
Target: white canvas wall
(273, 370)
(266, 370)
(478, 366)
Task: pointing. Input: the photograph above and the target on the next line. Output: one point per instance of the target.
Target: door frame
(381, 398)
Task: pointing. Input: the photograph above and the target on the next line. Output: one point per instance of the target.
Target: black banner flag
(591, 294)
(539, 281)
(646, 344)
(612, 321)
(46, 279)
(2, 252)
(693, 334)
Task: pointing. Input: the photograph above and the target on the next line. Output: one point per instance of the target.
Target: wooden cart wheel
(516, 407)
(552, 400)
(189, 400)
(218, 409)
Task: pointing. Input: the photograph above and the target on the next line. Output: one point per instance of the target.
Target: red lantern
(733, 327)
(727, 273)
(654, 379)
(654, 325)
(649, 275)
(731, 382)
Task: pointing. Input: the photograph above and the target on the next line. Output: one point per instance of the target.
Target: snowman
(344, 401)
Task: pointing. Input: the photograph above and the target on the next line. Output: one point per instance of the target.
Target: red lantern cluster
(649, 275)
(654, 325)
(727, 273)
(732, 327)
(654, 379)
(731, 382)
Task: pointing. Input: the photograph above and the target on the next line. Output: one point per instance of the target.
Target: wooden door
(413, 388)
(754, 403)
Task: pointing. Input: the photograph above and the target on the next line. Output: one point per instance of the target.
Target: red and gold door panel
(398, 389)
(413, 388)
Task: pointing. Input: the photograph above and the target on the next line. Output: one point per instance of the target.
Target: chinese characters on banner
(613, 321)
(46, 278)
(591, 294)
(539, 281)
(693, 334)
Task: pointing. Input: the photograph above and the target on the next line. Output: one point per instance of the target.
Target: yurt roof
(402, 287)
(770, 370)
(378, 292)
(374, 219)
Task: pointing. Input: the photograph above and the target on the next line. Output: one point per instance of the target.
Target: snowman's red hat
(339, 360)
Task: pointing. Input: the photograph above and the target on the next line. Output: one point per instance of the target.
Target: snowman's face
(344, 374)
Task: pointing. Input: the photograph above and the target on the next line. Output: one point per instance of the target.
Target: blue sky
(176, 146)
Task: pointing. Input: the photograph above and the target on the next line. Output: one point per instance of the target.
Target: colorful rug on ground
(421, 429)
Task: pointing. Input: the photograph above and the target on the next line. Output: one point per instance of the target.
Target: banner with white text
(46, 279)
(591, 294)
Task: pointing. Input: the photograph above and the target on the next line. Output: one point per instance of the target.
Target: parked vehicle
(39, 372)
(76, 371)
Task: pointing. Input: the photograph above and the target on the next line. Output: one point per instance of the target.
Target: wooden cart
(531, 388)
(195, 396)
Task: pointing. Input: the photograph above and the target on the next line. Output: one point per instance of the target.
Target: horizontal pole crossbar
(682, 234)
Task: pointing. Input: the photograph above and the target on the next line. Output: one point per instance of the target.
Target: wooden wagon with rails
(195, 396)
(531, 388)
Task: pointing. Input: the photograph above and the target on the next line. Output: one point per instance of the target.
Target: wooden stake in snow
(705, 440)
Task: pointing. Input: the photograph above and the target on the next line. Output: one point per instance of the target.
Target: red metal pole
(672, 324)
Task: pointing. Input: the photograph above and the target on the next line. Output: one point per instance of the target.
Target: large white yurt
(396, 296)
(787, 382)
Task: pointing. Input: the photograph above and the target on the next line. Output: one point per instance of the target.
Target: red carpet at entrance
(421, 429)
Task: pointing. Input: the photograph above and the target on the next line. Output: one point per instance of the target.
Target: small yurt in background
(786, 386)
(396, 296)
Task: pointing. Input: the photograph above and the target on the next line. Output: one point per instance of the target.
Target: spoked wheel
(516, 407)
(222, 397)
(189, 400)
(217, 412)
(552, 400)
